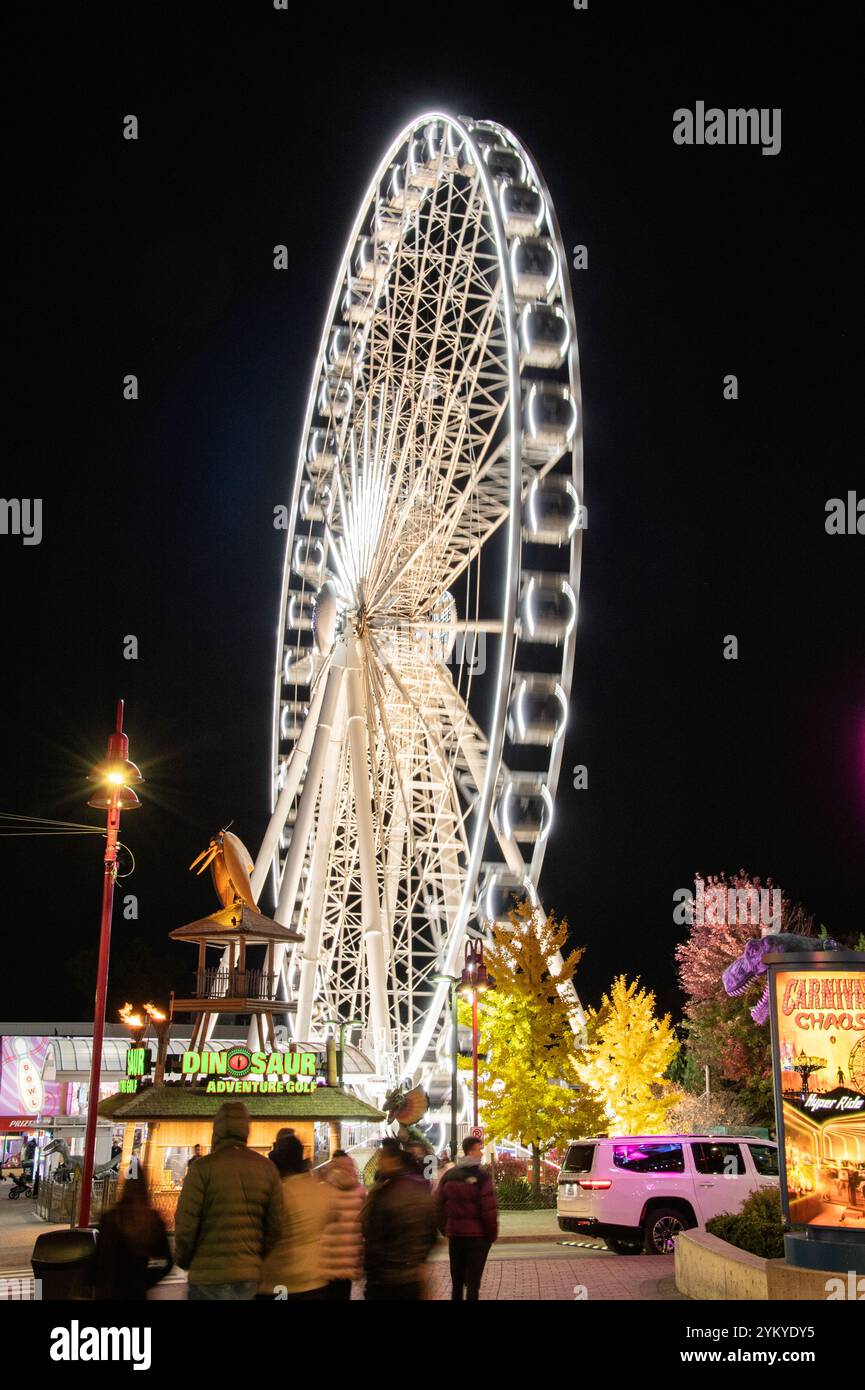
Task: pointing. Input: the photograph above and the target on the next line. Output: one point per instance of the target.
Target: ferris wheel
(429, 599)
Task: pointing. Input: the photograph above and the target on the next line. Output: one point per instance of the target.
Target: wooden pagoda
(233, 987)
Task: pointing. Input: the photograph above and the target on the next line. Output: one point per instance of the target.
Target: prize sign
(818, 1046)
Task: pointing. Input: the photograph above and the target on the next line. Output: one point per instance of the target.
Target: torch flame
(154, 1013)
(131, 1019)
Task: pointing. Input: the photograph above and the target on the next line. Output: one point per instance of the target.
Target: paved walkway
(19, 1227)
(532, 1262)
(591, 1278)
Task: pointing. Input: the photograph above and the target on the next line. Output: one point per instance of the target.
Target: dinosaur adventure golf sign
(238, 1070)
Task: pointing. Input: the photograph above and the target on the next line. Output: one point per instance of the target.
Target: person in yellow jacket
(293, 1269)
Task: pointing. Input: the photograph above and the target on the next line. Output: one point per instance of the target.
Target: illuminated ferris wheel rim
(491, 153)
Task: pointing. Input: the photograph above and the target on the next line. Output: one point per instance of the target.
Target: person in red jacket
(468, 1214)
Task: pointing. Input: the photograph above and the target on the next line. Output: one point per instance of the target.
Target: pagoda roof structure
(232, 923)
(177, 1101)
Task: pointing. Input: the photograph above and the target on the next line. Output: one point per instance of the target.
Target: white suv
(641, 1191)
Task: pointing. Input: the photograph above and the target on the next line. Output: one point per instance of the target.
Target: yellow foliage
(628, 1052)
(528, 1089)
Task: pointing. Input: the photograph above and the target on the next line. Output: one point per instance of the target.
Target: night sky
(706, 516)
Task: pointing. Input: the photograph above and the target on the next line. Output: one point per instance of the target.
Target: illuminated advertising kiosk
(817, 1012)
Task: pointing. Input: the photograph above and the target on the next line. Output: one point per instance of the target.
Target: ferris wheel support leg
(306, 806)
(379, 1020)
(296, 764)
(318, 875)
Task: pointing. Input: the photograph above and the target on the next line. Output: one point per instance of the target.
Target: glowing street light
(115, 777)
(474, 981)
(453, 983)
(343, 1025)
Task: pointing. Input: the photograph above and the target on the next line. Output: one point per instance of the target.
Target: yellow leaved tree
(624, 1062)
(528, 1090)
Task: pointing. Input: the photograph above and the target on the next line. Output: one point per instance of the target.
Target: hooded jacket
(466, 1202)
(230, 1210)
(399, 1228)
(342, 1241)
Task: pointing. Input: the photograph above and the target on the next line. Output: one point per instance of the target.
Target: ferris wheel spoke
(370, 900)
(472, 469)
(293, 773)
(303, 824)
(321, 855)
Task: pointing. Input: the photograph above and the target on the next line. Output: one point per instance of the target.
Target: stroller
(21, 1187)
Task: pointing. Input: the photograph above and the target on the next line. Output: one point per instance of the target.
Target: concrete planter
(710, 1270)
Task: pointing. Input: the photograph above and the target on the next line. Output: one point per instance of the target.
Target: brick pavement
(533, 1278)
(613, 1278)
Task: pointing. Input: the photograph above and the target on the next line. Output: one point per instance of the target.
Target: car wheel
(660, 1230)
(622, 1247)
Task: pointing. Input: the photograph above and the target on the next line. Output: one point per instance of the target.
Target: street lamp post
(115, 795)
(342, 1025)
(453, 981)
(474, 981)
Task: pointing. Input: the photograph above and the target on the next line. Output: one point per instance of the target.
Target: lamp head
(116, 774)
(123, 798)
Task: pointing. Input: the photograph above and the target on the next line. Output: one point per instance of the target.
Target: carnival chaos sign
(818, 1036)
(238, 1070)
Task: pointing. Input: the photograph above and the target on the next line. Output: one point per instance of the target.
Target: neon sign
(138, 1064)
(818, 1042)
(240, 1070)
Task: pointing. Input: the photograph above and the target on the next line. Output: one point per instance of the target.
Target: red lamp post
(115, 794)
(474, 981)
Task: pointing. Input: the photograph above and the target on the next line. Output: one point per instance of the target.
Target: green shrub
(756, 1228)
(517, 1194)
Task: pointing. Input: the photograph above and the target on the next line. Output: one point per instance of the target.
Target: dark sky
(706, 517)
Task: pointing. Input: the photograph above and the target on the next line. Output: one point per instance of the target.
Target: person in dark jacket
(132, 1253)
(399, 1227)
(230, 1213)
(468, 1214)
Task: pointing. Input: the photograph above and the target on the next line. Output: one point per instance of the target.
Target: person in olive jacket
(230, 1213)
(468, 1214)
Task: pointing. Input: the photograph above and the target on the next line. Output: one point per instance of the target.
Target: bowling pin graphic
(30, 1089)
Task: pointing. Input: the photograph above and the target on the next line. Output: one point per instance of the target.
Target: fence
(219, 983)
(59, 1199)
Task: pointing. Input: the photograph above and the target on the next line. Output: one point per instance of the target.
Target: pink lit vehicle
(638, 1192)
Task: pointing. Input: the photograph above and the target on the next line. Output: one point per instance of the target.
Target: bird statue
(230, 867)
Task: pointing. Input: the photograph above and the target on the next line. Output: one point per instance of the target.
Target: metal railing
(58, 1200)
(218, 982)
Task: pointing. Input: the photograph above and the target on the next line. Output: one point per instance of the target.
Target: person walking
(468, 1214)
(230, 1213)
(293, 1269)
(132, 1252)
(399, 1227)
(342, 1241)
